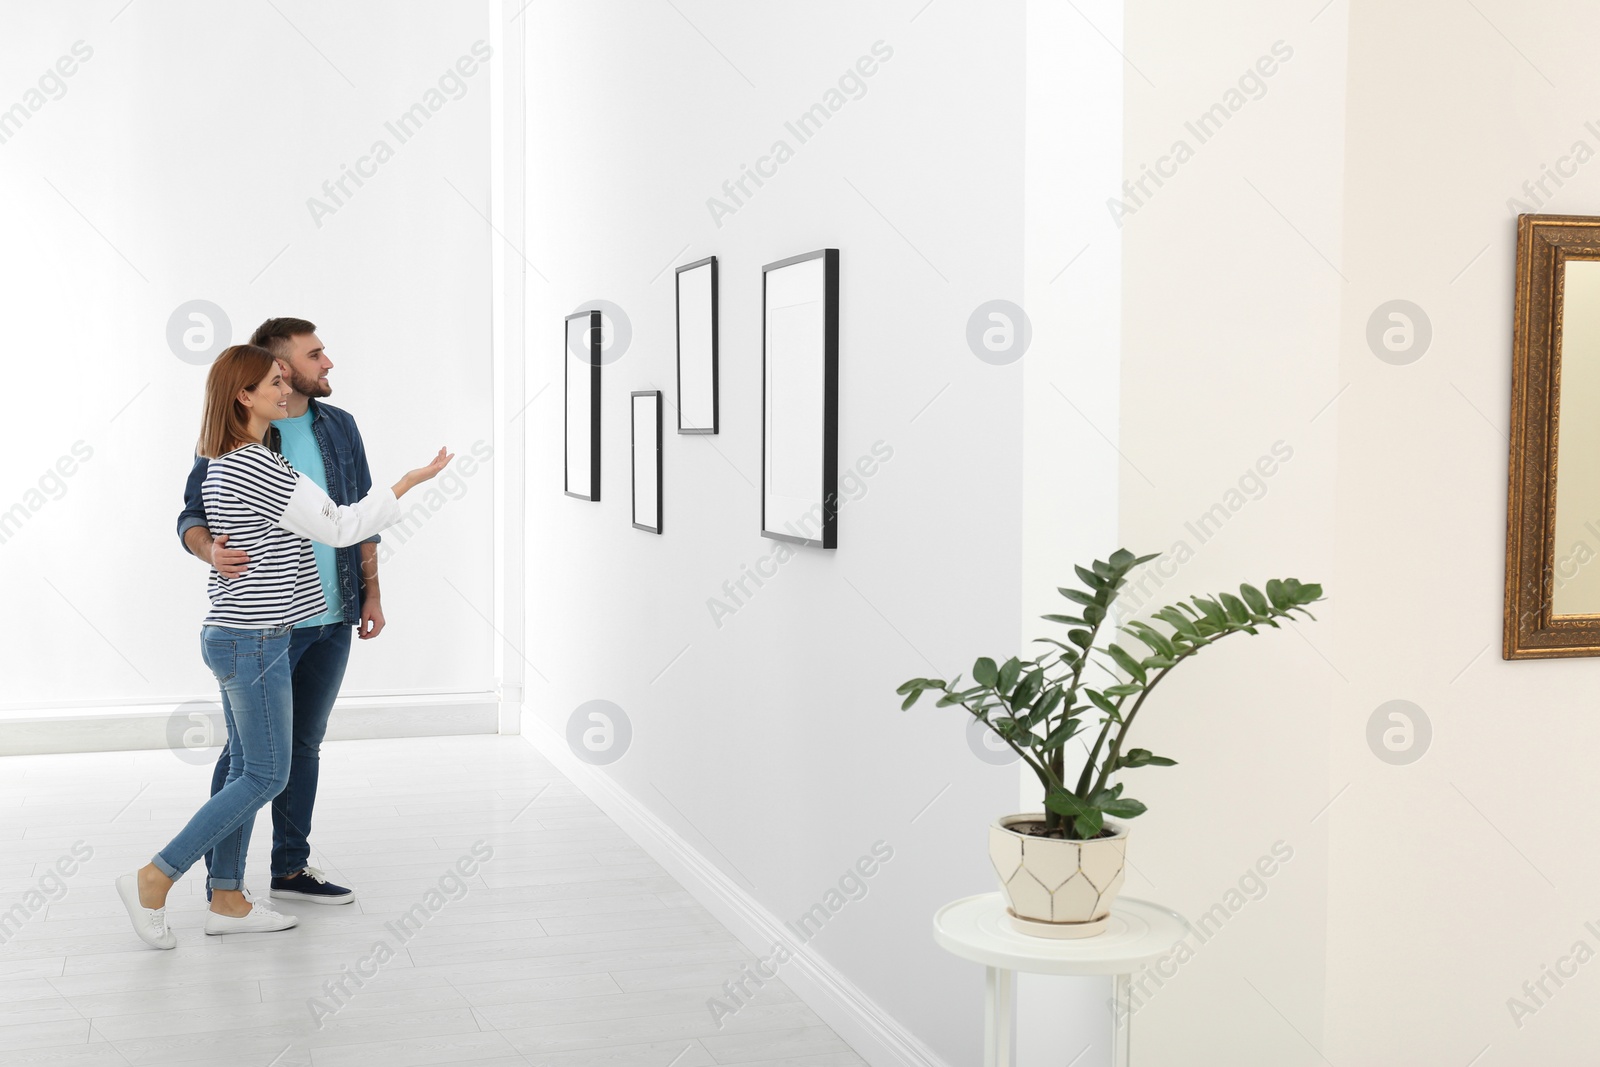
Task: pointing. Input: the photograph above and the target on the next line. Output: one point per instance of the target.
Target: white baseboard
(195, 725)
(876, 1036)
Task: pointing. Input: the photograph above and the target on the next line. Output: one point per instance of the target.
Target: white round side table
(977, 928)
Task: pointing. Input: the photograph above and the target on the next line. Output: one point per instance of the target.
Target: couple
(278, 633)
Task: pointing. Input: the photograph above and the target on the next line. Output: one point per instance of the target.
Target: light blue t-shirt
(301, 450)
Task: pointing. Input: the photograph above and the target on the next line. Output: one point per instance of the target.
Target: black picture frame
(652, 459)
(825, 373)
(695, 400)
(589, 411)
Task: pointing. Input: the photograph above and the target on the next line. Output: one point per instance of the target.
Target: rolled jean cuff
(224, 885)
(165, 868)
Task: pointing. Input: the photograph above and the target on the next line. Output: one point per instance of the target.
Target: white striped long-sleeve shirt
(269, 510)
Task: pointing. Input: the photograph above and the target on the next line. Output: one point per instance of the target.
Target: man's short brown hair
(274, 334)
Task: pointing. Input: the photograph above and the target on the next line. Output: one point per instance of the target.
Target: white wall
(1460, 876)
(174, 164)
(773, 742)
(1231, 297)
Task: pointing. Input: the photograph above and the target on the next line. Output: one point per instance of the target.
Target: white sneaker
(149, 923)
(260, 920)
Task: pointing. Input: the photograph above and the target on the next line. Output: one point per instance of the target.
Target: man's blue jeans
(316, 663)
(252, 669)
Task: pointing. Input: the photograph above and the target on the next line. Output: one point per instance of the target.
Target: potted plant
(1061, 868)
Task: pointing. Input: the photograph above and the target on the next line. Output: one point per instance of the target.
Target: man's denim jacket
(344, 459)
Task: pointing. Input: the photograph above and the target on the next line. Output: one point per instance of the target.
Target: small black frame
(715, 426)
(656, 445)
(829, 520)
(568, 358)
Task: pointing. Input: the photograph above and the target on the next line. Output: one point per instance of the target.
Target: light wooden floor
(569, 947)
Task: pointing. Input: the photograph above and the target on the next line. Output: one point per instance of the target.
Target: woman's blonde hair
(225, 424)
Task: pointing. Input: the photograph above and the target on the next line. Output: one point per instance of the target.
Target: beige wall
(1230, 361)
(1455, 877)
(1259, 284)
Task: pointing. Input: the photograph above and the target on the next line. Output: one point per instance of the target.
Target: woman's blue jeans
(252, 667)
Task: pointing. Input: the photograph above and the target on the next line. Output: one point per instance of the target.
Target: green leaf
(1142, 757)
(1178, 621)
(1008, 674)
(1027, 689)
(1124, 808)
(984, 672)
(1077, 596)
(1088, 577)
(1043, 708)
(1126, 662)
(1277, 594)
(1215, 613)
(1237, 612)
(1081, 638)
(1099, 701)
(910, 700)
(1126, 689)
(1088, 825)
(1253, 597)
(1094, 614)
(1122, 559)
(1069, 620)
(1063, 803)
(1061, 734)
(1155, 639)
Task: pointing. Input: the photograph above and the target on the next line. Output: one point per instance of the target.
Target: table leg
(1121, 1018)
(998, 1012)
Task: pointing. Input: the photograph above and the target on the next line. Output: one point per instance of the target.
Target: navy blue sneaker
(311, 884)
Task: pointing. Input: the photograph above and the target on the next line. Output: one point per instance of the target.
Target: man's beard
(310, 386)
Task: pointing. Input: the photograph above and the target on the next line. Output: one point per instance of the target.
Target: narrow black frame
(830, 399)
(633, 466)
(594, 403)
(716, 406)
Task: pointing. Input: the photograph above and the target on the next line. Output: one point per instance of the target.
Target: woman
(267, 508)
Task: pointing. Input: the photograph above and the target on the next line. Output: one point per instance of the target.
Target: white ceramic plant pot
(1056, 887)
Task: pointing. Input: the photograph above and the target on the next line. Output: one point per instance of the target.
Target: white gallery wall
(259, 158)
(764, 727)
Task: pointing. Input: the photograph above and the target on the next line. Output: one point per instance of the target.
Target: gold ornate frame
(1544, 245)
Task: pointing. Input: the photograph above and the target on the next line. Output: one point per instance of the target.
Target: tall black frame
(830, 400)
(567, 358)
(633, 435)
(716, 375)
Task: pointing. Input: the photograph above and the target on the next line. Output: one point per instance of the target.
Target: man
(322, 442)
